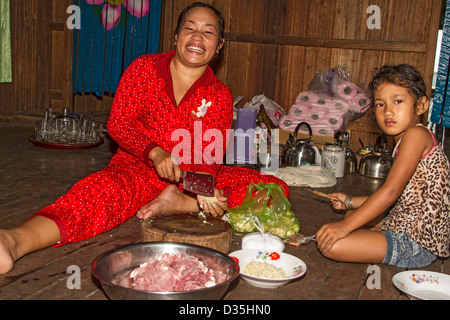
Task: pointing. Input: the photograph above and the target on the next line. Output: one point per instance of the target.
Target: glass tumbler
(40, 130)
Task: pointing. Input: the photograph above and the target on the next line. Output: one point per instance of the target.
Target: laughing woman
(159, 97)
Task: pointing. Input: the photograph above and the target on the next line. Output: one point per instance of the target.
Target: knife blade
(198, 183)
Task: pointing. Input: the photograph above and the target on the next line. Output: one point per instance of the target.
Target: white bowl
(291, 265)
(423, 285)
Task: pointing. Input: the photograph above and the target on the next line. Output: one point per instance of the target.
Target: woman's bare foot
(170, 200)
(7, 246)
(35, 234)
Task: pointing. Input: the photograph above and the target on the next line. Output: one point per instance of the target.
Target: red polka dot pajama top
(144, 115)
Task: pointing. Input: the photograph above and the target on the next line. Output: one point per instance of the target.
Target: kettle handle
(345, 139)
(298, 127)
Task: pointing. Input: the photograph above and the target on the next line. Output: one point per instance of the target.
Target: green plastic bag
(268, 203)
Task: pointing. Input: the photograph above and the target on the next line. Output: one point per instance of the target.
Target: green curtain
(5, 42)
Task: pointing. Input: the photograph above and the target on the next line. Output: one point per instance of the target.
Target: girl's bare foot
(170, 200)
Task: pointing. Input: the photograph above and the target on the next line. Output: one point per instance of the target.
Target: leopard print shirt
(423, 209)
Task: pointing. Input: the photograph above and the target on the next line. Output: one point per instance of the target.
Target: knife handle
(324, 195)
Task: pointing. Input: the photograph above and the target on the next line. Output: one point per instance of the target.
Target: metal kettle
(299, 151)
(378, 163)
(351, 163)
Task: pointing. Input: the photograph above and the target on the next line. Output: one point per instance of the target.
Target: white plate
(424, 285)
(291, 265)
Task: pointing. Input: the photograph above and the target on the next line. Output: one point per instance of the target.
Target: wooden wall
(41, 58)
(41, 46)
(277, 47)
(273, 47)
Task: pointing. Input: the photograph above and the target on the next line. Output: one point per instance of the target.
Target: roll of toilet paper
(347, 90)
(318, 110)
(315, 114)
(335, 122)
(300, 108)
(338, 113)
(361, 102)
(319, 128)
(289, 122)
(306, 97)
(339, 106)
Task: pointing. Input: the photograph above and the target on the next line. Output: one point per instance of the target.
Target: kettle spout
(291, 141)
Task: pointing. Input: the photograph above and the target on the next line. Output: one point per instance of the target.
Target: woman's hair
(403, 75)
(220, 19)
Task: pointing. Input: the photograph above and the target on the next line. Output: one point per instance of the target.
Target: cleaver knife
(198, 183)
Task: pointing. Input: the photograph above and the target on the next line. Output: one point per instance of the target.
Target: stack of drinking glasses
(66, 129)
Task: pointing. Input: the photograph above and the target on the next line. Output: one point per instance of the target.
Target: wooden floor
(32, 177)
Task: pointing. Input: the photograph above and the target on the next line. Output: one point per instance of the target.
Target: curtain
(440, 113)
(112, 34)
(5, 42)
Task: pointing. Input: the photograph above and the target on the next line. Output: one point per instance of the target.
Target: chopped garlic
(263, 269)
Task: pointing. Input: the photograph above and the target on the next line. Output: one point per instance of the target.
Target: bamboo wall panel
(40, 46)
(59, 91)
(29, 59)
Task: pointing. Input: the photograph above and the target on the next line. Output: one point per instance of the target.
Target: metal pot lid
(334, 148)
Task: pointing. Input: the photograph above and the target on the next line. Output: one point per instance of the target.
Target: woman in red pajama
(170, 113)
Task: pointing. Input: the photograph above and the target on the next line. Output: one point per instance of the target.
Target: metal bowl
(113, 268)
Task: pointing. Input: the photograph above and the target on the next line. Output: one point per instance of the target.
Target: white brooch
(202, 109)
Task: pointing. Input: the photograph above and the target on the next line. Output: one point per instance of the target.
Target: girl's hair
(403, 75)
(220, 19)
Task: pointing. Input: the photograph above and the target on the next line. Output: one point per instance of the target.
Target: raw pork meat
(172, 273)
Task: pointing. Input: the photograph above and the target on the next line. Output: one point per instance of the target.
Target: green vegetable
(268, 203)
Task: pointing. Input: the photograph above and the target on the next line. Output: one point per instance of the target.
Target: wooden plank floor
(32, 177)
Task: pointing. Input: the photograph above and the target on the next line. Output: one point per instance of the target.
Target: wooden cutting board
(206, 231)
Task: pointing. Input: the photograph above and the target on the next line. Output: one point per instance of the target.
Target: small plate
(423, 285)
(291, 265)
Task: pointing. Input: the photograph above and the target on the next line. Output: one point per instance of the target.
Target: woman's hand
(166, 166)
(213, 206)
(330, 233)
(338, 204)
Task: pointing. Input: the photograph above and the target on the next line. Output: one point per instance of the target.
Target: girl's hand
(330, 233)
(166, 166)
(338, 204)
(213, 206)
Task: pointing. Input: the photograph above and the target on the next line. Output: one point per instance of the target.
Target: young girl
(406, 222)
